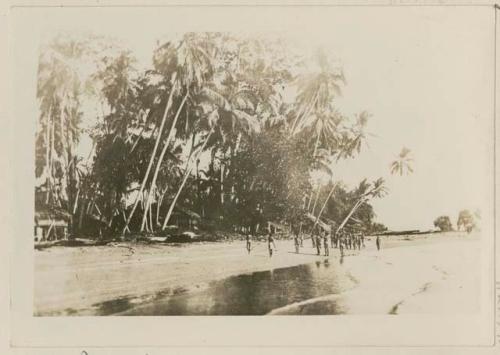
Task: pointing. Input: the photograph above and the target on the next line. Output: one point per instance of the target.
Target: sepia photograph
(267, 173)
(256, 175)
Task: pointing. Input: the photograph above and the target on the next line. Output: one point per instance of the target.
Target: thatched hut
(51, 224)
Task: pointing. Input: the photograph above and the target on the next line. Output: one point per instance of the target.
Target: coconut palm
(365, 191)
(316, 92)
(185, 66)
(59, 90)
(211, 118)
(403, 163)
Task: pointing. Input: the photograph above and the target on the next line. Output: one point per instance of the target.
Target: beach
(424, 274)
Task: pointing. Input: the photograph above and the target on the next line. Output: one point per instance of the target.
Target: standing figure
(249, 243)
(377, 241)
(318, 244)
(296, 242)
(325, 244)
(341, 245)
(270, 244)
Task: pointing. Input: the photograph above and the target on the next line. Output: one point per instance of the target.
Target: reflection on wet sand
(257, 293)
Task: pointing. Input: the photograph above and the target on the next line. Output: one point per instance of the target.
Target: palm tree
(186, 66)
(212, 118)
(366, 192)
(316, 94)
(59, 92)
(403, 163)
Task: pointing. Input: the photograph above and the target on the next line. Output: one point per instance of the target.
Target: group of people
(341, 240)
(321, 240)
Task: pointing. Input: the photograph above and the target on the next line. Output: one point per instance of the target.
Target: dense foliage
(228, 127)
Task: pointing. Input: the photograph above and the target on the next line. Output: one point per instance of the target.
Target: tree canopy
(229, 127)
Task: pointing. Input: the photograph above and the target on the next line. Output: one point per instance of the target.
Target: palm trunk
(316, 146)
(153, 154)
(306, 112)
(310, 198)
(186, 175)
(140, 133)
(222, 184)
(158, 206)
(151, 219)
(47, 154)
(324, 204)
(160, 160)
(76, 201)
(356, 206)
(52, 149)
(316, 200)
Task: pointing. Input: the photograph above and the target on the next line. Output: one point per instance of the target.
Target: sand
(428, 274)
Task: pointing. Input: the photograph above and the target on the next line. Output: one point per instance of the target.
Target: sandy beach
(426, 274)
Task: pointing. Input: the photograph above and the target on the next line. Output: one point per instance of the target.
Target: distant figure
(318, 244)
(325, 245)
(270, 244)
(296, 242)
(377, 241)
(341, 245)
(363, 240)
(249, 243)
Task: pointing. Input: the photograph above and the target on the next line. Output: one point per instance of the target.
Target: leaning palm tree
(185, 66)
(366, 192)
(403, 163)
(212, 119)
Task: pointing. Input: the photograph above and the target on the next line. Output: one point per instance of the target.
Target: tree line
(229, 127)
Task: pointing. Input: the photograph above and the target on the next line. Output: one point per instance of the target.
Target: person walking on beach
(341, 245)
(270, 244)
(325, 244)
(318, 244)
(249, 243)
(296, 242)
(377, 241)
(295, 232)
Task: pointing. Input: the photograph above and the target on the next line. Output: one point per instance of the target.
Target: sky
(424, 73)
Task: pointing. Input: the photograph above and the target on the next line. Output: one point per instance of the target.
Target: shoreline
(83, 279)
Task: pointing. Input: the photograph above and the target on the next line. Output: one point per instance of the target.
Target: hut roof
(322, 224)
(52, 214)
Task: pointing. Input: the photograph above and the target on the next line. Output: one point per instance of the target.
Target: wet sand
(431, 274)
